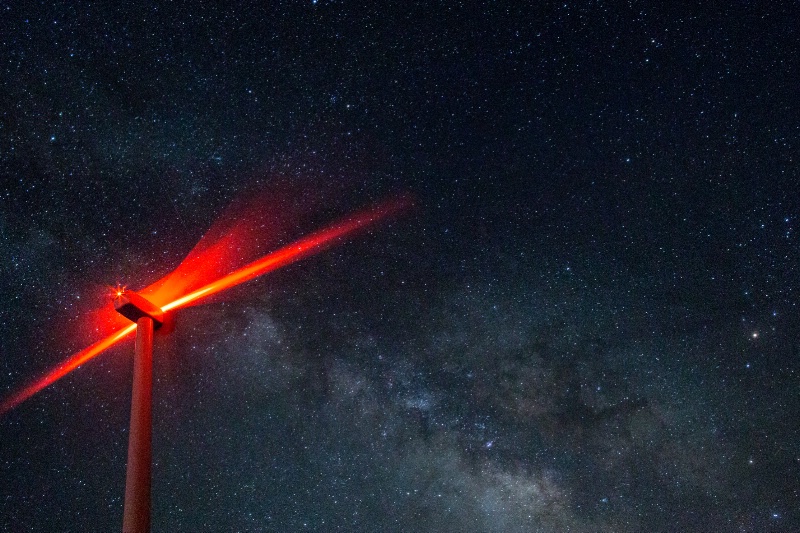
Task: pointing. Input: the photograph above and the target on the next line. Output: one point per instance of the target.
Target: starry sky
(588, 322)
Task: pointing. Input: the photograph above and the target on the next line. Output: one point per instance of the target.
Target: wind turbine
(148, 316)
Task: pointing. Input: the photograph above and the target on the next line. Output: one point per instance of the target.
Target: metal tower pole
(148, 316)
(136, 517)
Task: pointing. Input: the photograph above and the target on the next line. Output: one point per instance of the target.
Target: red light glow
(118, 291)
(301, 248)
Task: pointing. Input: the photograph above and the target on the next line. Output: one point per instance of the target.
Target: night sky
(587, 322)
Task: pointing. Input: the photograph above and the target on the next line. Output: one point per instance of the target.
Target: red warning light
(118, 291)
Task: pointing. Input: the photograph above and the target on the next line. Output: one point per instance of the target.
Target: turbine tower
(147, 316)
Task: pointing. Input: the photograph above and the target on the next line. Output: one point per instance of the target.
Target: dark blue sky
(588, 323)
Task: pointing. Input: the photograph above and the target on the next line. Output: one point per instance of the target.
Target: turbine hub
(134, 306)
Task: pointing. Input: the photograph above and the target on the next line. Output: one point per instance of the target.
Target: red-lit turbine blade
(64, 368)
(304, 247)
(288, 254)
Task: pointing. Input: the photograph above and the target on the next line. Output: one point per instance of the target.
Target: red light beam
(64, 368)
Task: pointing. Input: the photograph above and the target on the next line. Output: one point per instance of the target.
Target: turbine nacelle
(134, 306)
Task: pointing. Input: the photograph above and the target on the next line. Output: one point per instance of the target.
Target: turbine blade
(64, 368)
(299, 249)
